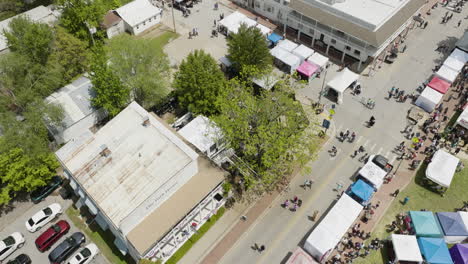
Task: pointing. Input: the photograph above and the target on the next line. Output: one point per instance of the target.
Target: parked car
(43, 217)
(66, 248)
(42, 192)
(51, 235)
(10, 244)
(85, 255)
(20, 259)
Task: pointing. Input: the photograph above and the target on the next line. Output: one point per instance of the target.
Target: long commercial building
(349, 30)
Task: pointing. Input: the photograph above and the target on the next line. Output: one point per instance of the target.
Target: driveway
(15, 219)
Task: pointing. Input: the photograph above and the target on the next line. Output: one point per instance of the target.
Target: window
(149, 20)
(138, 27)
(4, 250)
(270, 9)
(285, 3)
(311, 31)
(347, 47)
(277, 1)
(357, 52)
(144, 23)
(257, 4)
(299, 25)
(333, 41)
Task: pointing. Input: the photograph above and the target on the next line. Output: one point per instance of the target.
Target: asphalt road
(281, 230)
(14, 221)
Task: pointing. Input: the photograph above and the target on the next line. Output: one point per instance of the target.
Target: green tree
(142, 67)
(248, 48)
(111, 94)
(33, 40)
(20, 172)
(199, 82)
(270, 132)
(70, 53)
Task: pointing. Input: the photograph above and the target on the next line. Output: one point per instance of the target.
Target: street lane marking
(393, 159)
(373, 147)
(380, 151)
(359, 139)
(365, 143)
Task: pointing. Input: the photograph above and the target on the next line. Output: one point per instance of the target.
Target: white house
(142, 182)
(79, 115)
(40, 14)
(139, 15)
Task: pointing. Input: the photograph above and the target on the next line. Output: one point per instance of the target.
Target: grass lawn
(420, 198)
(103, 239)
(192, 240)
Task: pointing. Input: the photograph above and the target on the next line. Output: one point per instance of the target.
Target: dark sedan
(42, 192)
(66, 248)
(20, 259)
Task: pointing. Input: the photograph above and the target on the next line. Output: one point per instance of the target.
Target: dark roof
(110, 19)
(462, 43)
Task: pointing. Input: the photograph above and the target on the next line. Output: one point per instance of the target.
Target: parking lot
(14, 221)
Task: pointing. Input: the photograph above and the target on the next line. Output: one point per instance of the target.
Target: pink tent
(307, 69)
(299, 256)
(439, 85)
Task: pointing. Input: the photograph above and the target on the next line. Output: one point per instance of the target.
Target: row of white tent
(233, 22)
(449, 71)
(293, 55)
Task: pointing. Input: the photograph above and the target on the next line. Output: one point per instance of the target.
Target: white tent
(428, 99)
(246, 21)
(406, 248)
(459, 55)
(265, 30)
(373, 173)
(463, 119)
(442, 168)
(447, 73)
(331, 229)
(464, 216)
(454, 63)
(341, 82)
(287, 45)
(318, 59)
(232, 21)
(303, 52)
(286, 57)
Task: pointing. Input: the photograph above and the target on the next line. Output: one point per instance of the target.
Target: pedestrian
(396, 192)
(457, 150)
(377, 205)
(243, 218)
(425, 24)
(459, 23)
(262, 248)
(405, 201)
(361, 149)
(255, 246)
(214, 23)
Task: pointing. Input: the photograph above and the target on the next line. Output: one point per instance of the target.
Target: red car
(51, 235)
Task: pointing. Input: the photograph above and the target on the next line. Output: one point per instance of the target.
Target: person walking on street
(396, 192)
(459, 23)
(425, 25)
(262, 248)
(405, 201)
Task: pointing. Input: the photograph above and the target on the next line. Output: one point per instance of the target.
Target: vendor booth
(361, 192)
(326, 235)
(406, 249)
(459, 55)
(429, 99)
(459, 253)
(266, 82)
(337, 86)
(373, 174)
(453, 227)
(446, 73)
(434, 250)
(232, 22)
(307, 70)
(464, 217)
(442, 168)
(425, 224)
(439, 85)
(454, 63)
(463, 119)
(287, 45)
(285, 60)
(299, 256)
(264, 29)
(318, 59)
(303, 52)
(274, 38)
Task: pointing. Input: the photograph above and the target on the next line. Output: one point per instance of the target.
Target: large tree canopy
(270, 132)
(142, 67)
(248, 48)
(199, 82)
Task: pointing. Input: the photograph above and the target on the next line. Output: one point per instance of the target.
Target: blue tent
(452, 224)
(425, 224)
(434, 250)
(362, 190)
(274, 38)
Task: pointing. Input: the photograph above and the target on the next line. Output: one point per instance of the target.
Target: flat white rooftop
(141, 159)
(370, 14)
(201, 132)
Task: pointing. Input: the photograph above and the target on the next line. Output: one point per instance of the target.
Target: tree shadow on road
(22, 197)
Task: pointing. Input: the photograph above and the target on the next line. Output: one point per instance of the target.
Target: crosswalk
(371, 147)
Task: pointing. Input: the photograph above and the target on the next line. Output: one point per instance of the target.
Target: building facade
(142, 182)
(348, 30)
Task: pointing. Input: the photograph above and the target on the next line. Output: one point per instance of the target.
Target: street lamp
(323, 82)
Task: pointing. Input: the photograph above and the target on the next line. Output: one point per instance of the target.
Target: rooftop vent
(146, 121)
(105, 151)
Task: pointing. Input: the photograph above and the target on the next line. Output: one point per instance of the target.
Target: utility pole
(173, 18)
(323, 83)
